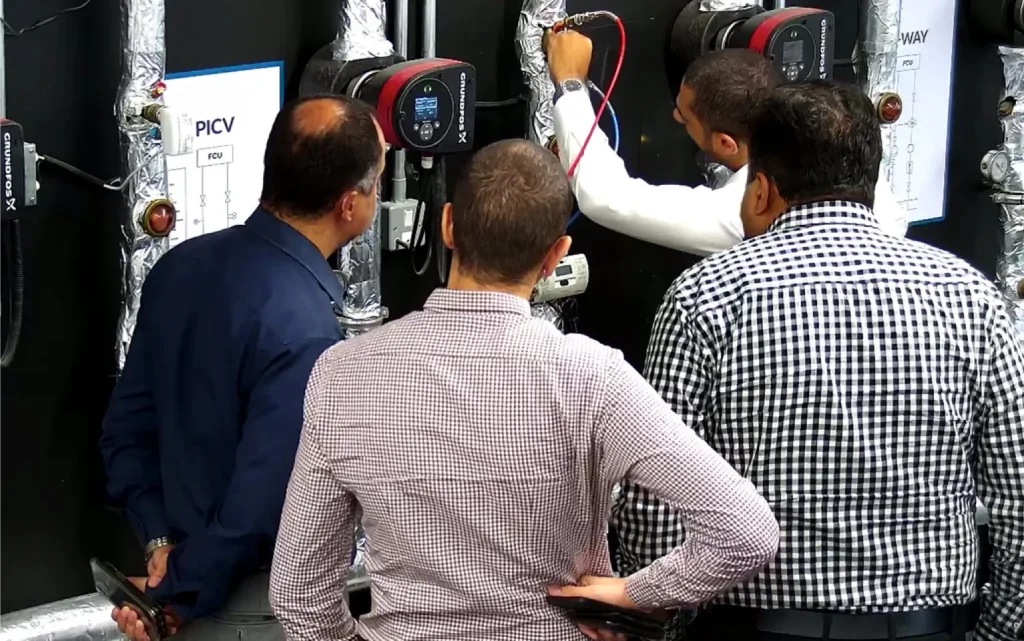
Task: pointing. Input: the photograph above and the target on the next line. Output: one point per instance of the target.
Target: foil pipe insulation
(82, 618)
(548, 312)
(362, 35)
(143, 73)
(875, 56)
(728, 5)
(1010, 264)
(535, 17)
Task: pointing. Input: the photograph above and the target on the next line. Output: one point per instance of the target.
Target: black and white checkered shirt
(480, 446)
(870, 387)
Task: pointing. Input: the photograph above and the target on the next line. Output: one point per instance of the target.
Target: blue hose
(615, 139)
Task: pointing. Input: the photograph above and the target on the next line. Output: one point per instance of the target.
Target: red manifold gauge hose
(583, 18)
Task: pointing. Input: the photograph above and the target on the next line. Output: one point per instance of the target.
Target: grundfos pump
(426, 105)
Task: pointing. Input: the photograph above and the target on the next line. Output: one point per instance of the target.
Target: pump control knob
(890, 108)
(158, 219)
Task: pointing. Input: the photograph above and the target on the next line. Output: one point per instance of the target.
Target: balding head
(319, 148)
(511, 206)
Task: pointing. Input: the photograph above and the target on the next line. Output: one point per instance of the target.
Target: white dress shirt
(698, 220)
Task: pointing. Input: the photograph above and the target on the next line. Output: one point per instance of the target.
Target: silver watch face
(572, 85)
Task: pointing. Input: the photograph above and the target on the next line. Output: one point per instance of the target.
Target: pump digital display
(563, 270)
(425, 108)
(792, 52)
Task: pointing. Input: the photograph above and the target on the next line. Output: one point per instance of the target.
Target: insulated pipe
(534, 18)
(1010, 265)
(728, 5)
(82, 618)
(361, 35)
(141, 85)
(401, 42)
(429, 28)
(875, 56)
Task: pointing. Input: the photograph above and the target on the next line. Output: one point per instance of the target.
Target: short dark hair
(511, 204)
(309, 165)
(727, 85)
(817, 140)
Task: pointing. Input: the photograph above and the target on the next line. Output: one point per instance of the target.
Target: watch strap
(156, 543)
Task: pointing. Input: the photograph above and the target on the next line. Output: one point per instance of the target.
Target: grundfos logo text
(462, 108)
(821, 50)
(8, 173)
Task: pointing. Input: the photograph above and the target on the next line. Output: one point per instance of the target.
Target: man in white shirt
(715, 101)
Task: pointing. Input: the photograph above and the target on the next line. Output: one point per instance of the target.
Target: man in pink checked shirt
(479, 448)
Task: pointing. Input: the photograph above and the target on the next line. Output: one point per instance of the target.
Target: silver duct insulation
(83, 618)
(144, 58)
(534, 18)
(715, 173)
(362, 35)
(359, 263)
(87, 617)
(548, 312)
(728, 5)
(1010, 266)
(876, 53)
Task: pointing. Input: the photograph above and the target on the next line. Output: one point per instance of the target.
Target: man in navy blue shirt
(201, 432)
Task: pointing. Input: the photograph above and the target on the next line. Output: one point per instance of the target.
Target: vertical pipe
(534, 18)
(876, 54)
(1010, 264)
(143, 70)
(361, 35)
(429, 28)
(401, 43)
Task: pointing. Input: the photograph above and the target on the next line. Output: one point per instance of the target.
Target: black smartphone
(603, 616)
(122, 593)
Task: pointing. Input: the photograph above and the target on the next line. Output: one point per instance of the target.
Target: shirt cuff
(175, 591)
(644, 588)
(146, 516)
(575, 106)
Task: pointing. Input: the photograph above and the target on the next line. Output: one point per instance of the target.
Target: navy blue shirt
(202, 430)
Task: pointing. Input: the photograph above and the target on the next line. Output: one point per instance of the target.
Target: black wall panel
(62, 81)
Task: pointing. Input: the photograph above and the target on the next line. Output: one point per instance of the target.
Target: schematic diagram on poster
(917, 145)
(233, 109)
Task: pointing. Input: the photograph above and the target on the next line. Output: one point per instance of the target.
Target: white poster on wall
(919, 142)
(232, 110)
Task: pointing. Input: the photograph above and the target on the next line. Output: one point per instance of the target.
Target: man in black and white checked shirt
(871, 387)
(480, 446)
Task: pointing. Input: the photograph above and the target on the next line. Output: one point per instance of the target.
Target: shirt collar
(739, 177)
(458, 300)
(830, 212)
(289, 240)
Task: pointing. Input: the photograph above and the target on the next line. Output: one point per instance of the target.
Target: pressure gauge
(995, 166)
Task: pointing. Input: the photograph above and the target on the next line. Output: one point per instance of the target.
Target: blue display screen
(426, 108)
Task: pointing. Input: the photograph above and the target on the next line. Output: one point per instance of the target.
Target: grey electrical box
(398, 219)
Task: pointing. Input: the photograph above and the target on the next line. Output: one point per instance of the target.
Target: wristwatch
(572, 84)
(157, 543)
